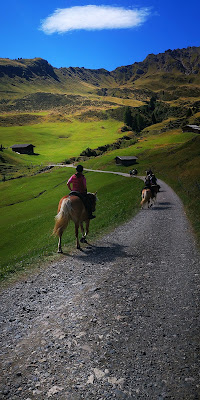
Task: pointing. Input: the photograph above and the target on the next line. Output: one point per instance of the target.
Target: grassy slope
(26, 226)
(180, 168)
(56, 142)
(149, 142)
(174, 157)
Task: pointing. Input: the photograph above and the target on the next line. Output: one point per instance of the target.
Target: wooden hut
(23, 148)
(191, 128)
(126, 160)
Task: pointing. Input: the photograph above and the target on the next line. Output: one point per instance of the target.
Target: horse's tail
(63, 217)
(144, 199)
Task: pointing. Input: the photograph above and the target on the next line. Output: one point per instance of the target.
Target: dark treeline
(153, 112)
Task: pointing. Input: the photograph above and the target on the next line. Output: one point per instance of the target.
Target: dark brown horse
(71, 208)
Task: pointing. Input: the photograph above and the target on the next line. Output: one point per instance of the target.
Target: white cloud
(93, 17)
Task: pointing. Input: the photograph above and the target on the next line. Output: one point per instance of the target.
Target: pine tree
(152, 103)
(134, 125)
(128, 116)
(188, 113)
(140, 122)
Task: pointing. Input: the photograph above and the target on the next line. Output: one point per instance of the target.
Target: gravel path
(117, 320)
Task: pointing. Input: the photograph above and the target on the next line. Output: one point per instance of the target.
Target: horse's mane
(93, 195)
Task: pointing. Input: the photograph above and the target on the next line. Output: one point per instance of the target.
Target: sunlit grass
(28, 207)
(174, 157)
(145, 144)
(125, 102)
(56, 142)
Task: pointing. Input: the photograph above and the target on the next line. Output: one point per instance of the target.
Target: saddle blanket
(81, 196)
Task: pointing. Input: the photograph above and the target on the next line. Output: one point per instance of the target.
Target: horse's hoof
(83, 240)
(60, 251)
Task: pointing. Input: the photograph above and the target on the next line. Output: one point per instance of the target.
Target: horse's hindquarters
(146, 197)
(72, 208)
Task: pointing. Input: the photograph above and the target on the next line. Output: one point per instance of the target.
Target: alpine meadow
(148, 110)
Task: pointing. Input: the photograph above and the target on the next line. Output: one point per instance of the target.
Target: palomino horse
(149, 196)
(71, 208)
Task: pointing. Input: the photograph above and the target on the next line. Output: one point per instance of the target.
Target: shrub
(88, 152)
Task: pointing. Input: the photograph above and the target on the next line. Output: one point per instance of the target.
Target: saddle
(86, 199)
(153, 188)
(81, 196)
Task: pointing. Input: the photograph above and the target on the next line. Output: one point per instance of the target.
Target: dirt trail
(117, 320)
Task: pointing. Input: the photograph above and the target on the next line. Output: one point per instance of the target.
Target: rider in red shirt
(78, 183)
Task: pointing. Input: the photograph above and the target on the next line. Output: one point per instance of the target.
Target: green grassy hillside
(28, 207)
(174, 156)
(65, 111)
(56, 142)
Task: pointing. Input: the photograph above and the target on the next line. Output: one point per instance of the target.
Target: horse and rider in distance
(78, 206)
(151, 188)
(133, 172)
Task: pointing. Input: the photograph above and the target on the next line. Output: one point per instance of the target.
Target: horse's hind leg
(76, 234)
(151, 202)
(142, 201)
(59, 244)
(87, 229)
(84, 234)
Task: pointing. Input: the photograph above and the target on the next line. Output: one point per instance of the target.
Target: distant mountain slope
(26, 69)
(184, 61)
(24, 76)
(171, 75)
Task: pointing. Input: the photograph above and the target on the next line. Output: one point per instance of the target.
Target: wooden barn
(191, 128)
(23, 148)
(126, 160)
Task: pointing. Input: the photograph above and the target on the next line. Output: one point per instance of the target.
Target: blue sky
(96, 34)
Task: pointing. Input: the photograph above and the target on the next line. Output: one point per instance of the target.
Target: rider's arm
(69, 183)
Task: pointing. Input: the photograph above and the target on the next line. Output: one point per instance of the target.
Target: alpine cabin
(23, 148)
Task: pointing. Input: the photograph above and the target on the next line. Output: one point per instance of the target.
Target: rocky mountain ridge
(186, 61)
(26, 69)
(175, 73)
(183, 61)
